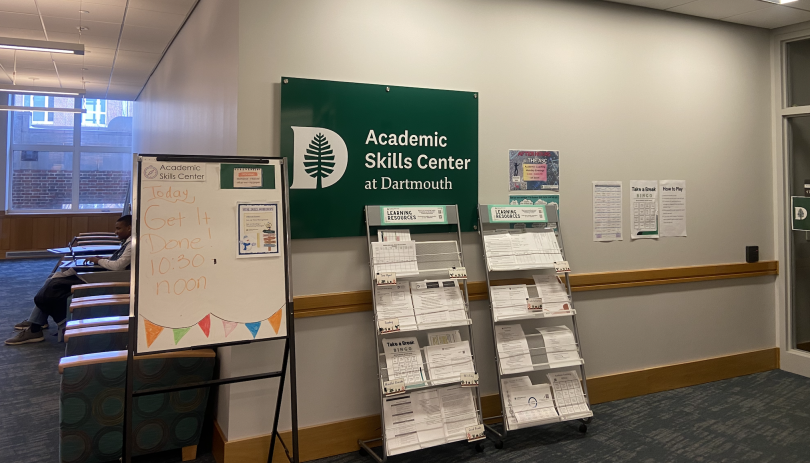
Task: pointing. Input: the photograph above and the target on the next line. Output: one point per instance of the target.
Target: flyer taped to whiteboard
(258, 230)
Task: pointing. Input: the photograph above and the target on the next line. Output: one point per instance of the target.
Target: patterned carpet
(757, 418)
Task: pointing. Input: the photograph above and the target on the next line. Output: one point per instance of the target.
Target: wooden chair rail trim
(360, 301)
(98, 329)
(119, 284)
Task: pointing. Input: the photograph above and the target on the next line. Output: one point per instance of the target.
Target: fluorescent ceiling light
(780, 2)
(44, 109)
(27, 89)
(41, 45)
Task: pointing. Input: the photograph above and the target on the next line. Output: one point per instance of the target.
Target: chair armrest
(101, 321)
(91, 330)
(97, 234)
(112, 284)
(103, 297)
(105, 276)
(98, 302)
(92, 359)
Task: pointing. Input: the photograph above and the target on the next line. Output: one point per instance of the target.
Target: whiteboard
(192, 287)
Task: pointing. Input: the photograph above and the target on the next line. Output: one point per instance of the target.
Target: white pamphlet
(532, 403)
(561, 346)
(509, 301)
(393, 235)
(395, 302)
(507, 386)
(459, 411)
(437, 302)
(394, 256)
(437, 338)
(498, 245)
(446, 362)
(427, 410)
(568, 392)
(673, 207)
(607, 211)
(404, 360)
(643, 209)
(400, 425)
(513, 349)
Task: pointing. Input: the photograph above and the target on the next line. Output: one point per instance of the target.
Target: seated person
(51, 300)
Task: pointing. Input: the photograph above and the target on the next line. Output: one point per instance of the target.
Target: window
(66, 161)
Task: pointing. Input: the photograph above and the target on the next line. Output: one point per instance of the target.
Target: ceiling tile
(89, 41)
(718, 9)
(771, 17)
(22, 33)
(91, 57)
(33, 59)
(18, 6)
(142, 45)
(800, 4)
(107, 2)
(124, 92)
(20, 21)
(94, 28)
(657, 4)
(166, 6)
(85, 72)
(70, 10)
(155, 19)
(147, 33)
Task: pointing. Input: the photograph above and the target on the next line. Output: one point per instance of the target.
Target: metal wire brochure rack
(437, 265)
(519, 221)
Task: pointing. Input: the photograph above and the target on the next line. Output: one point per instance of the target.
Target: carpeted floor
(757, 418)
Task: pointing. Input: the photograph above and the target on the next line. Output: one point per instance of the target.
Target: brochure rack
(513, 222)
(434, 261)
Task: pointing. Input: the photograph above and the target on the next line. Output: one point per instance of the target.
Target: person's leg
(51, 300)
(37, 316)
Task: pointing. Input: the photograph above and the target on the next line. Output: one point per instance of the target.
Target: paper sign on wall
(643, 209)
(245, 177)
(607, 211)
(673, 207)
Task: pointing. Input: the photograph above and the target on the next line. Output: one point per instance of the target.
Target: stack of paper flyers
(437, 302)
(522, 249)
(446, 362)
(395, 302)
(560, 346)
(428, 418)
(527, 402)
(568, 393)
(554, 294)
(394, 256)
(513, 349)
(509, 301)
(393, 235)
(403, 359)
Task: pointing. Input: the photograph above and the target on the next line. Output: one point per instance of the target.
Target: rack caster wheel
(499, 444)
(479, 448)
(583, 428)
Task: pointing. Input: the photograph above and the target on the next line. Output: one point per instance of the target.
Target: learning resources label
(520, 214)
(423, 215)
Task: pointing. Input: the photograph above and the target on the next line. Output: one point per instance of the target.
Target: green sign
(229, 176)
(517, 214)
(350, 145)
(799, 208)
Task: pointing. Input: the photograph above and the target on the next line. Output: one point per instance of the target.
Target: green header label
(350, 145)
(419, 215)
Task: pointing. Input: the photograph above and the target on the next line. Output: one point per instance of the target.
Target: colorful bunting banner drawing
(229, 327)
(205, 324)
(275, 320)
(254, 328)
(152, 331)
(179, 333)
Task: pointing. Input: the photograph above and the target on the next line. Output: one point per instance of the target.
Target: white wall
(189, 103)
(623, 92)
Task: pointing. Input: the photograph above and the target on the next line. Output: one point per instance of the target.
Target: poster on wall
(607, 210)
(258, 230)
(643, 209)
(673, 207)
(350, 145)
(534, 170)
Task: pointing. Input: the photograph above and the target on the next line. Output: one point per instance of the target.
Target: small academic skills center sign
(350, 145)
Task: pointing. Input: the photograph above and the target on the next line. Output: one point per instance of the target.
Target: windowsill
(62, 212)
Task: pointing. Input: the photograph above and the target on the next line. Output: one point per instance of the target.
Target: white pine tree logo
(320, 158)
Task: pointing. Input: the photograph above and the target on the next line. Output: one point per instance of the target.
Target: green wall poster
(350, 145)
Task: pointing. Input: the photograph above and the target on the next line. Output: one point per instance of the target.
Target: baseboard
(341, 437)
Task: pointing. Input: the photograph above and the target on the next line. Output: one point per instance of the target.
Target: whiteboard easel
(211, 266)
